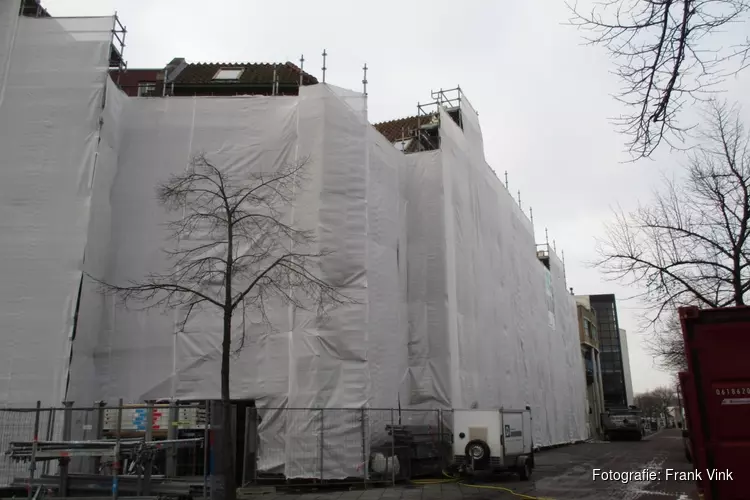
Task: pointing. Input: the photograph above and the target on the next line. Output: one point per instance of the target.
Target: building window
(228, 74)
(146, 89)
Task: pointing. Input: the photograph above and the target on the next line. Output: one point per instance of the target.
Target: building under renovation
(456, 307)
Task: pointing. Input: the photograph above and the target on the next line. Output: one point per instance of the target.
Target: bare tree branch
(667, 346)
(689, 246)
(663, 59)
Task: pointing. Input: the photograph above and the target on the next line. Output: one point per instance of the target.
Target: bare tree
(234, 252)
(664, 398)
(663, 59)
(656, 402)
(667, 346)
(690, 245)
(647, 403)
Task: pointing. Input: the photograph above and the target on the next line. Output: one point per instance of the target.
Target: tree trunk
(227, 443)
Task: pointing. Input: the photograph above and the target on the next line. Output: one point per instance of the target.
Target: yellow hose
(500, 488)
(459, 481)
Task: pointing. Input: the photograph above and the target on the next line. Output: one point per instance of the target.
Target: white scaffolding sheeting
(303, 362)
(452, 303)
(51, 98)
(479, 329)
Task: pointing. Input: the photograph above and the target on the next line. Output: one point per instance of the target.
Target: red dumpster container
(717, 345)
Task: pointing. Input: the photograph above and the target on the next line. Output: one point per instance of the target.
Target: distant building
(588, 331)
(610, 347)
(626, 366)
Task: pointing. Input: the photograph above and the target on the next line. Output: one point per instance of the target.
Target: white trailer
(493, 440)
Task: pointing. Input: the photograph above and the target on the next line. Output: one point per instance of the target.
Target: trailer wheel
(477, 451)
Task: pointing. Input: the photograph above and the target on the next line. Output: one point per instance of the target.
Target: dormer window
(146, 89)
(228, 74)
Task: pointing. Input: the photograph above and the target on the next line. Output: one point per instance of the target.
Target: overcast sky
(543, 97)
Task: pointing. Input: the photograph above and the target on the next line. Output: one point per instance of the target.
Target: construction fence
(157, 448)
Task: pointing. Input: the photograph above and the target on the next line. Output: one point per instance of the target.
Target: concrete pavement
(561, 473)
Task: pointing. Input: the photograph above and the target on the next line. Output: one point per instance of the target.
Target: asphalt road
(561, 473)
(568, 472)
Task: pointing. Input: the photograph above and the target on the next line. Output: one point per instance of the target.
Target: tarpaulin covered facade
(453, 308)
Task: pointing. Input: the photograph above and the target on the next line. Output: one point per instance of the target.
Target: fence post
(148, 437)
(393, 451)
(116, 458)
(364, 447)
(439, 430)
(48, 436)
(322, 428)
(172, 435)
(67, 431)
(99, 431)
(34, 444)
(250, 460)
(206, 444)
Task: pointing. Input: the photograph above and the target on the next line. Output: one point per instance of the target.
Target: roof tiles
(254, 73)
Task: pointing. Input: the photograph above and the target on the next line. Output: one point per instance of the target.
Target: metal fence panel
(358, 444)
(85, 424)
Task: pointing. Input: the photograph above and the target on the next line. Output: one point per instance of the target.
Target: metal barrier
(70, 445)
(94, 447)
(339, 444)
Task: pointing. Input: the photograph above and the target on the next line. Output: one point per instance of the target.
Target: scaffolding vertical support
(418, 135)
(325, 55)
(301, 70)
(34, 445)
(118, 29)
(364, 80)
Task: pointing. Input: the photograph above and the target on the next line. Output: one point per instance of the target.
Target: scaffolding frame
(428, 117)
(34, 9)
(117, 47)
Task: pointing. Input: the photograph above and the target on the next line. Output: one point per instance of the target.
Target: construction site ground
(561, 473)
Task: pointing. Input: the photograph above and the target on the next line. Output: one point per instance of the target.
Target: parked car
(623, 423)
